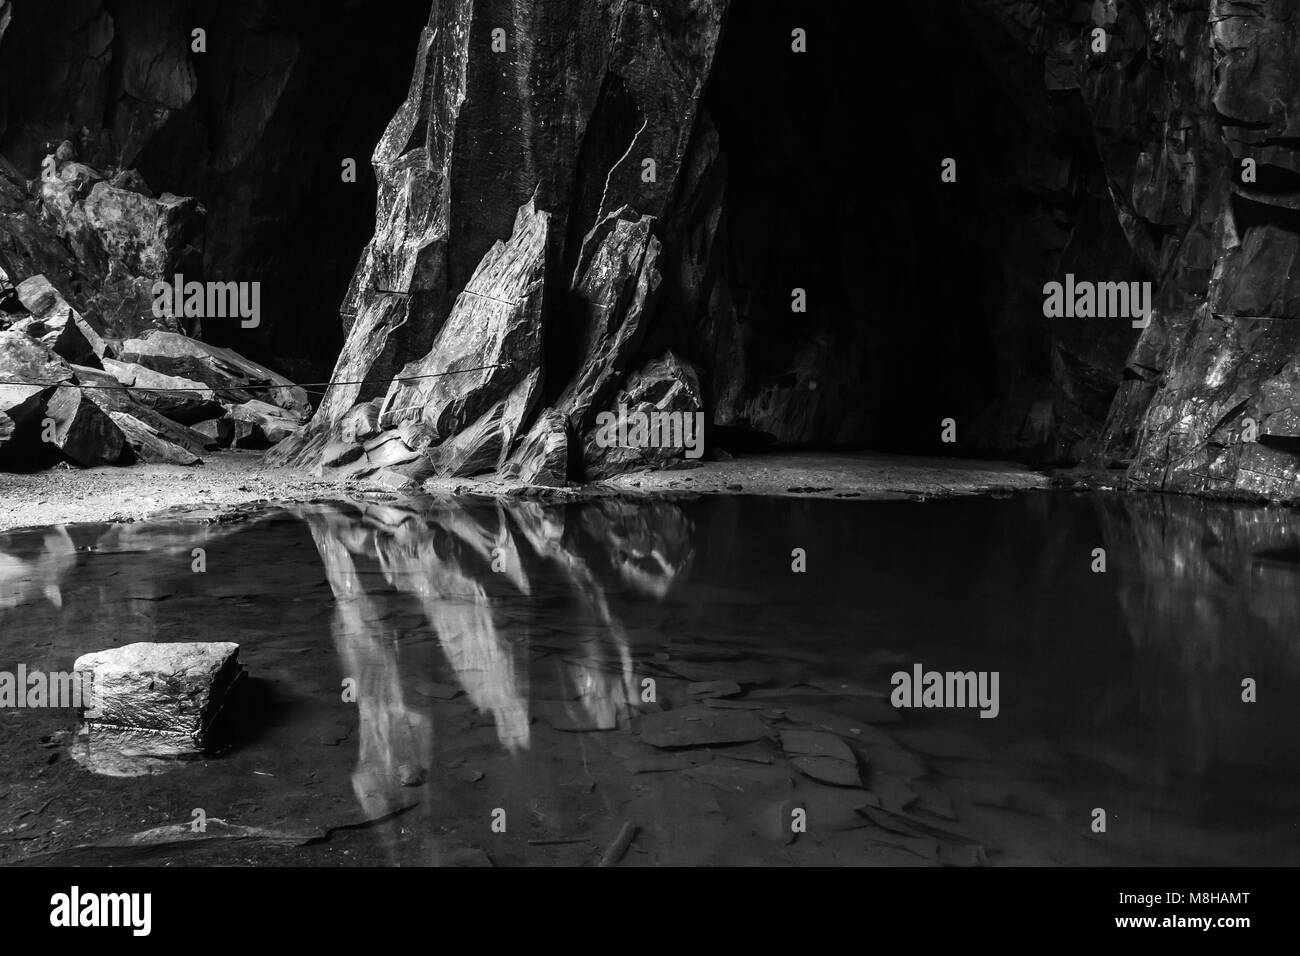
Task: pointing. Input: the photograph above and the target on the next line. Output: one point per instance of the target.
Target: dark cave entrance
(833, 186)
(284, 214)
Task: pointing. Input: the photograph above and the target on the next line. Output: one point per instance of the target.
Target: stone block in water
(165, 697)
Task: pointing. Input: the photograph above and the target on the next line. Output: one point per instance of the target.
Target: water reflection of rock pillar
(21, 579)
(642, 547)
(443, 560)
(396, 741)
(458, 562)
(446, 560)
(1205, 605)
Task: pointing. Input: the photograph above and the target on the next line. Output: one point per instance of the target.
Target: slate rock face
(616, 293)
(29, 375)
(483, 446)
(81, 430)
(152, 435)
(595, 116)
(490, 342)
(549, 136)
(57, 324)
(542, 457)
(667, 393)
(218, 367)
(99, 247)
(1182, 96)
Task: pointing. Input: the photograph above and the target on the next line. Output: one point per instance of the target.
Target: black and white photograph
(650, 434)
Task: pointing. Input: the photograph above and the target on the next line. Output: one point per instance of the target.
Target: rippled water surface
(502, 653)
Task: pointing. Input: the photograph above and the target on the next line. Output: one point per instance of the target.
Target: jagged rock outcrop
(98, 247)
(80, 429)
(484, 445)
(490, 343)
(58, 326)
(616, 293)
(235, 377)
(92, 372)
(1220, 416)
(29, 373)
(661, 231)
(1179, 98)
(577, 133)
(664, 403)
(542, 457)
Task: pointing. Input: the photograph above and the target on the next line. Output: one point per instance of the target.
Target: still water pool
(520, 682)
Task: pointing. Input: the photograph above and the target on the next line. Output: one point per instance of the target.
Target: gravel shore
(235, 478)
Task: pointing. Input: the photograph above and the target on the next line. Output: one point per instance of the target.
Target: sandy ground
(64, 495)
(230, 479)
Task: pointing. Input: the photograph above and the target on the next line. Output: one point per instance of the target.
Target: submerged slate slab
(821, 756)
(698, 726)
(164, 696)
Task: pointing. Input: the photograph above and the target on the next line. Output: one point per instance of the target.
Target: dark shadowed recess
(286, 90)
(834, 186)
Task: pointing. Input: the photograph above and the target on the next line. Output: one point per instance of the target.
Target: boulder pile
(89, 374)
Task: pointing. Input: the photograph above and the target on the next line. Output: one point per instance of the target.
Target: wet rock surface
(172, 689)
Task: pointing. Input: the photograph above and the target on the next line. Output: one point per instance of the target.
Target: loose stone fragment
(159, 700)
